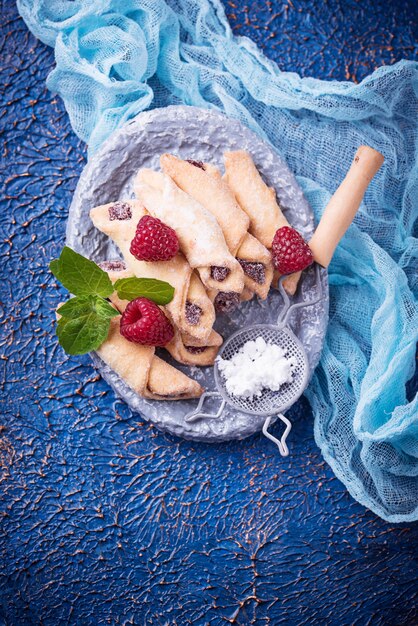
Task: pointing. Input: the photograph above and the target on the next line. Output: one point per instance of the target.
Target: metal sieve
(270, 403)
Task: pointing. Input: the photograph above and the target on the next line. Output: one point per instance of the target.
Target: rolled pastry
(258, 201)
(256, 262)
(200, 236)
(146, 374)
(212, 193)
(204, 183)
(182, 349)
(185, 349)
(190, 310)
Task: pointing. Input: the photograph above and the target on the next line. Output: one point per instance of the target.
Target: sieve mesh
(268, 402)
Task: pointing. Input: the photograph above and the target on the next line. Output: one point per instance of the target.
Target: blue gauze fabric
(115, 58)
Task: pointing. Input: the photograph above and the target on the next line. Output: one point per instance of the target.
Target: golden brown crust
(130, 361)
(167, 383)
(253, 251)
(290, 283)
(247, 295)
(208, 187)
(180, 342)
(254, 196)
(197, 296)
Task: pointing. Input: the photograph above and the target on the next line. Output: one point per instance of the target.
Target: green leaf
(76, 307)
(79, 275)
(105, 309)
(158, 291)
(84, 324)
(83, 305)
(82, 334)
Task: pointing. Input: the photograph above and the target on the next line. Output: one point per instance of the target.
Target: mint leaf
(104, 309)
(83, 305)
(84, 324)
(79, 275)
(158, 291)
(82, 334)
(76, 307)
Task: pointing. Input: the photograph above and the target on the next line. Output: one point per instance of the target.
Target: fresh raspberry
(154, 240)
(290, 251)
(144, 322)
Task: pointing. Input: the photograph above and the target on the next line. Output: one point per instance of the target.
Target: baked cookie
(190, 310)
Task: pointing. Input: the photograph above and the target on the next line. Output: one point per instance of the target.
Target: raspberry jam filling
(113, 266)
(196, 349)
(196, 164)
(120, 211)
(193, 313)
(226, 302)
(219, 273)
(256, 271)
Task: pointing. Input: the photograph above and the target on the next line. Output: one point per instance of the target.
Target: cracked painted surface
(104, 520)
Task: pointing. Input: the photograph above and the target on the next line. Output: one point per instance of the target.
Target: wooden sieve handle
(344, 204)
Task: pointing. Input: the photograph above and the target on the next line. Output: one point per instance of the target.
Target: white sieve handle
(280, 443)
(197, 413)
(287, 309)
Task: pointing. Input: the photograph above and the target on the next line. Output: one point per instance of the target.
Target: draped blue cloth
(115, 58)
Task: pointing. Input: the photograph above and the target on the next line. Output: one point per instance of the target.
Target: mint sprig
(85, 319)
(84, 323)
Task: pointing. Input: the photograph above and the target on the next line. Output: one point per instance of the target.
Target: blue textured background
(103, 519)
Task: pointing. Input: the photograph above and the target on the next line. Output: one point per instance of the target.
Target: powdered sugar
(256, 366)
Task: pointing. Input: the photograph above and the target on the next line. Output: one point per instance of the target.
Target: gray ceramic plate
(204, 135)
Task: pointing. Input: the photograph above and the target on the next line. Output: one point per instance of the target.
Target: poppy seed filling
(113, 266)
(219, 273)
(196, 164)
(256, 271)
(120, 211)
(193, 313)
(196, 349)
(226, 302)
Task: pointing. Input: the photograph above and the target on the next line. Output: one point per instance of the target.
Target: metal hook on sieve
(288, 309)
(197, 412)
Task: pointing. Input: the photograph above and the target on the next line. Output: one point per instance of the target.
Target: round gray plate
(203, 135)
